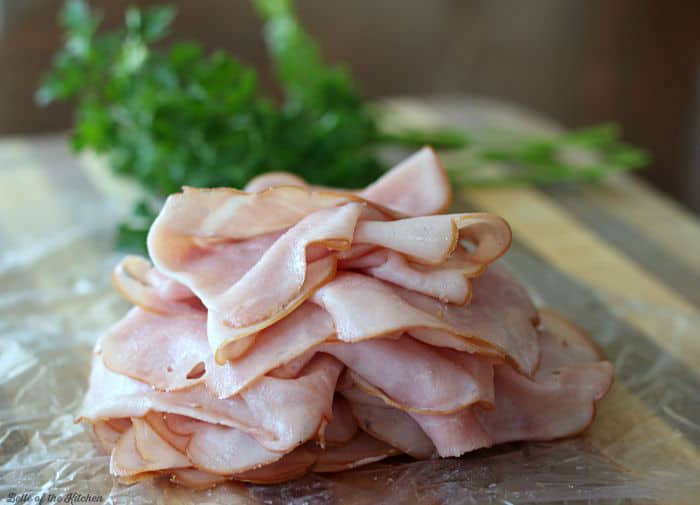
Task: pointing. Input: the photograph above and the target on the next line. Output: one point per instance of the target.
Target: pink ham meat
(384, 422)
(361, 450)
(431, 240)
(416, 187)
(272, 179)
(279, 413)
(172, 352)
(558, 402)
(261, 296)
(412, 375)
(289, 328)
(486, 325)
(137, 281)
(342, 427)
(448, 282)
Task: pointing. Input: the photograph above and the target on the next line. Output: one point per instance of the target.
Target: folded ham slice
(432, 239)
(418, 186)
(289, 328)
(448, 282)
(499, 321)
(412, 375)
(279, 413)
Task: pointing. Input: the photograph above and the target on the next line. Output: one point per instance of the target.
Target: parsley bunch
(175, 117)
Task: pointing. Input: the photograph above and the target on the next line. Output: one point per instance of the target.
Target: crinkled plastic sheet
(55, 298)
(53, 307)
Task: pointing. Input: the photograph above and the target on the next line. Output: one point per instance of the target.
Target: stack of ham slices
(288, 328)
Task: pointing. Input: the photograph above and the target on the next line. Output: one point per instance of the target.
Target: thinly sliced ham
(567, 343)
(196, 479)
(500, 313)
(106, 435)
(361, 450)
(342, 427)
(388, 424)
(454, 434)
(172, 352)
(261, 296)
(225, 451)
(113, 395)
(485, 326)
(157, 422)
(415, 187)
(272, 179)
(288, 467)
(431, 239)
(448, 282)
(136, 280)
(248, 301)
(559, 402)
(290, 328)
(155, 449)
(128, 461)
(411, 375)
(275, 346)
(159, 350)
(224, 214)
(280, 413)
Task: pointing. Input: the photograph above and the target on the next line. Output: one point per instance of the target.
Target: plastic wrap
(56, 255)
(57, 300)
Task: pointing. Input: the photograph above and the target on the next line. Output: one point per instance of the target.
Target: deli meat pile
(287, 329)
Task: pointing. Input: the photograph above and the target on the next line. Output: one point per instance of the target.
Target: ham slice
(128, 461)
(275, 346)
(106, 435)
(262, 292)
(161, 351)
(136, 280)
(172, 352)
(415, 187)
(568, 343)
(158, 423)
(559, 402)
(432, 239)
(261, 296)
(288, 467)
(388, 424)
(448, 282)
(454, 434)
(279, 413)
(361, 450)
(225, 451)
(500, 314)
(485, 326)
(411, 375)
(224, 214)
(154, 449)
(272, 179)
(196, 479)
(342, 427)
